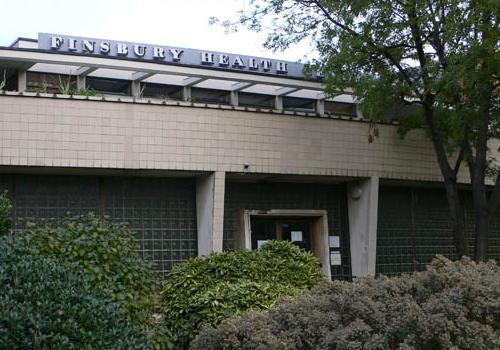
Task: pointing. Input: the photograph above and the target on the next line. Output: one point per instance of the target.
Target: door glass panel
(262, 231)
(294, 230)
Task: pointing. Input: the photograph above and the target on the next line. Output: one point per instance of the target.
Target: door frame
(319, 230)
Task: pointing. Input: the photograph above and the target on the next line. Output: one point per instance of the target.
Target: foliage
(440, 58)
(106, 253)
(45, 306)
(452, 305)
(5, 214)
(84, 92)
(205, 291)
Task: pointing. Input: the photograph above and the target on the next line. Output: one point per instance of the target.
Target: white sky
(182, 23)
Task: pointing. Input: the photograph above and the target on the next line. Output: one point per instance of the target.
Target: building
(202, 151)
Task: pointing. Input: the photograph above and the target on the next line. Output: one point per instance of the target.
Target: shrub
(205, 291)
(106, 253)
(452, 305)
(5, 214)
(45, 306)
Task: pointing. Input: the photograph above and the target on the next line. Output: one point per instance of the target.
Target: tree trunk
(457, 219)
(450, 183)
(482, 234)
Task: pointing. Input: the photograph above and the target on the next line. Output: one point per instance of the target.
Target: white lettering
(266, 65)
(139, 50)
(56, 42)
(281, 67)
(223, 60)
(176, 54)
(252, 64)
(121, 49)
(88, 45)
(207, 57)
(71, 44)
(158, 53)
(238, 62)
(104, 47)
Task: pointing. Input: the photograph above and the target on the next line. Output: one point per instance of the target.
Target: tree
(440, 57)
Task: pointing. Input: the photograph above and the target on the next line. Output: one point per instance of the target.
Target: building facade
(202, 151)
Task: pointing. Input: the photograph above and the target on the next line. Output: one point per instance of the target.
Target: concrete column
(136, 88)
(186, 93)
(362, 202)
(210, 212)
(320, 107)
(21, 81)
(81, 82)
(234, 98)
(278, 103)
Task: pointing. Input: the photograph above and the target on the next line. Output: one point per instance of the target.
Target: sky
(181, 23)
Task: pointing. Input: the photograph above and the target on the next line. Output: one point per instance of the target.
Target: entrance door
(289, 229)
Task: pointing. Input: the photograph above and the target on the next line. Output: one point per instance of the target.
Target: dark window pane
(49, 83)
(109, 86)
(161, 91)
(341, 108)
(299, 104)
(255, 100)
(210, 96)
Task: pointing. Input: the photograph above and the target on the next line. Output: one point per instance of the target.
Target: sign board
(296, 236)
(334, 241)
(170, 54)
(335, 259)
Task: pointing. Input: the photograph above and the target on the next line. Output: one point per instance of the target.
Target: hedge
(205, 291)
(451, 305)
(43, 305)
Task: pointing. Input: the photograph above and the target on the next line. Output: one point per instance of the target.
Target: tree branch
(382, 50)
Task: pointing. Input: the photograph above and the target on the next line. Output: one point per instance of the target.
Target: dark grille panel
(268, 196)
(162, 212)
(414, 226)
(395, 243)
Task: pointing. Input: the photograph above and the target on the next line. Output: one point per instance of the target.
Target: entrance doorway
(293, 230)
(306, 228)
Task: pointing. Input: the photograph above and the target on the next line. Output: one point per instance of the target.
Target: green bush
(5, 214)
(107, 254)
(452, 305)
(45, 306)
(205, 291)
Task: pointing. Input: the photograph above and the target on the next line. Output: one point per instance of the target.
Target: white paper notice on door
(334, 241)
(261, 242)
(335, 259)
(296, 236)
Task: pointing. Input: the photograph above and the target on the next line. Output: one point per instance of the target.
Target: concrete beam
(210, 212)
(233, 98)
(81, 82)
(285, 91)
(26, 65)
(186, 93)
(240, 86)
(85, 70)
(278, 103)
(21, 80)
(321, 96)
(192, 81)
(362, 206)
(139, 76)
(135, 88)
(320, 107)
(134, 66)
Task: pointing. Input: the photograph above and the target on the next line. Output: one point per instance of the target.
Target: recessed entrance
(296, 230)
(306, 228)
